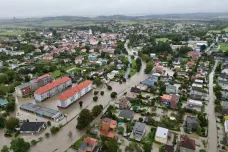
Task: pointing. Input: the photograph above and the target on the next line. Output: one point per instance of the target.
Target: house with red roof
(159, 69)
(107, 127)
(71, 96)
(186, 145)
(195, 55)
(52, 88)
(89, 144)
(190, 64)
(78, 60)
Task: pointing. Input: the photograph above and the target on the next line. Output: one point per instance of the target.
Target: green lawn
(133, 71)
(133, 62)
(215, 31)
(56, 74)
(162, 39)
(77, 144)
(127, 22)
(224, 47)
(226, 29)
(11, 32)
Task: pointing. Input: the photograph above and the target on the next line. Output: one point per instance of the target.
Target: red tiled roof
(64, 96)
(159, 68)
(52, 85)
(90, 141)
(188, 143)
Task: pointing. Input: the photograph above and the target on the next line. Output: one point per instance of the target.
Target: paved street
(212, 129)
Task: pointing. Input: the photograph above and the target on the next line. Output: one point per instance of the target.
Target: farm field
(162, 39)
(11, 32)
(224, 47)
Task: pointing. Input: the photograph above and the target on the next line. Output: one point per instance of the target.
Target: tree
(120, 130)
(218, 94)
(202, 47)
(109, 87)
(102, 93)
(19, 145)
(10, 107)
(70, 134)
(49, 123)
(97, 81)
(11, 123)
(110, 145)
(134, 147)
(5, 149)
(113, 95)
(54, 130)
(47, 135)
(2, 122)
(95, 98)
(4, 78)
(85, 117)
(80, 103)
(149, 67)
(162, 149)
(183, 50)
(140, 119)
(97, 110)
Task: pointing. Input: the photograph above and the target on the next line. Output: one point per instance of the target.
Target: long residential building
(28, 88)
(52, 88)
(72, 95)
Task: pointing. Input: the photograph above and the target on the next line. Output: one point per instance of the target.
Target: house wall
(186, 150)
(161, 140)
(74, 98)
(18, 92)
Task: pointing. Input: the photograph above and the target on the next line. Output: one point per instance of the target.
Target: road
(61, 142)
(212, 129)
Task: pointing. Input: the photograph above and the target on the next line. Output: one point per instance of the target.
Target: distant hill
(60, 21)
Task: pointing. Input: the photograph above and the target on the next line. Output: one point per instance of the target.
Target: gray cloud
(39, 8)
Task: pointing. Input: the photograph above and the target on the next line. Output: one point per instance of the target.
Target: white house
(226, 126)
(162, 135)
(78, 60)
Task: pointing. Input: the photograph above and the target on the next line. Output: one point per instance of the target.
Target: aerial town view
(118, 76)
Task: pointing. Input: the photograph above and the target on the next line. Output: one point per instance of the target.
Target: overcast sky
(40, 8)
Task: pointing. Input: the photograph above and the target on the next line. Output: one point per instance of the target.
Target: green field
(224, 47)
(162, 39)
(56, 74)
(6, 32)
(215, 31)
(126, 22)
(226, 29)
(56, 23)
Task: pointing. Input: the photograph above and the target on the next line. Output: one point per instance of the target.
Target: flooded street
(61, 142)
(212, 129)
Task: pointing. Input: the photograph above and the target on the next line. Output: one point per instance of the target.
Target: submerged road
(212, 129)
(61, 142)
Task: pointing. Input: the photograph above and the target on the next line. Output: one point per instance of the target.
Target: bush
(113, 95)
(124, 80)
(96, 92)
(54, 130)
(33, 142)
(140, 119)
(49, 123)
(95, 98)
(47, 135)
(102, 93)
(109, 87)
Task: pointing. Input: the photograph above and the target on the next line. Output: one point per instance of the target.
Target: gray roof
(139, 127)
(128, 114)
(84, 145)
(41, 111)
(31, 126)
(24, 85)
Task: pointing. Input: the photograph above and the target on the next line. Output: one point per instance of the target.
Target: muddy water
(60, 142)
(212, 129)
